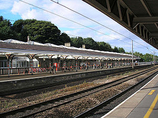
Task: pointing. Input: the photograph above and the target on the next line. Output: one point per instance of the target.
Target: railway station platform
(142, 104)
(18, 83)
(13, 77)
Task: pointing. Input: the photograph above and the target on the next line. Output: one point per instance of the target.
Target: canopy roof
(138, 16)
(25, 48)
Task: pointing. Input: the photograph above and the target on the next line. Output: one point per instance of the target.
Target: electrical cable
(95, 21)
(90, 19)
(69, 20)
(106, 42)
(80, 23)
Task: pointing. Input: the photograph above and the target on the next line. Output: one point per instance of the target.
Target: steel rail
(38, 105)
(18, 91)
(91, 111)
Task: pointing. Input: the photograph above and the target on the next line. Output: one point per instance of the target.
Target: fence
(28, 70)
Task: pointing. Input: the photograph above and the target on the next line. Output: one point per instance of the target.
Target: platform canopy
(19, 48)
(138, 16)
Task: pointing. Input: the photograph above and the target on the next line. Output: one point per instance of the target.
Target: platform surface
(28, 76)
(142, 104)
(47, 74)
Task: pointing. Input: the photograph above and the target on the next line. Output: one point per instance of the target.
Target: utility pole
(132, 56)
(154, 58)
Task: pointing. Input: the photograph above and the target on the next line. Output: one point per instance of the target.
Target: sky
(74, 24)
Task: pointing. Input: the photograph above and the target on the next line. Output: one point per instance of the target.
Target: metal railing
(28, 70)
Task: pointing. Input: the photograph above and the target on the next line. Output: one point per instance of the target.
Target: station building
(17, 57)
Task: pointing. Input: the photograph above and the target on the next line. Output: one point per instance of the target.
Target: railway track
(104, 107)
(43, 106)
(62, 82)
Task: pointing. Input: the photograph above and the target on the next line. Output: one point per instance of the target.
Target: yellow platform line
(151, 92)
(151, 107)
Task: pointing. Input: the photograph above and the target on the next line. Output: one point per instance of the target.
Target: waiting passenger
(94, 66)
(71, 68)
(86, 66)
(54, 69)
(51, 69)
(26, 71)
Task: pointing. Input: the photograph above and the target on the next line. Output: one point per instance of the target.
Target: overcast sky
(16, 9)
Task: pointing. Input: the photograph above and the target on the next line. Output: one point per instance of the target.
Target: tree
(104, 46)
(121, 50)
(5, 29)
(43, 32)
(19, 24)
(90, 43)
(148, 57)
(39, 31)
(140, 55)
(108, 47)
(1, 18)
(46, 32)
(101, 46)
(18, 27)
(77, 41)
(64, 38)
(115, 49)
(143, 57)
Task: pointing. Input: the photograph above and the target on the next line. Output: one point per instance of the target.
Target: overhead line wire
(67, 19)
(106, 42)
(95, 21)
(89, 18)
(80, 23)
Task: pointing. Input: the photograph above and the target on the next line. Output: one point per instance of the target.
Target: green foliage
(46, 32)
(143, 57)
(148, 57)
(77, 42)
(115, 49)
(39, 31)
(5, 29)
(43, 32)
(64, 38)
(90, 43)
(121, 50)
(104, 46)
(140, 55)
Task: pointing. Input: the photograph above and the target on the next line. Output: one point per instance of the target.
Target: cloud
(29, 12)
(5, 4)
(22, 8)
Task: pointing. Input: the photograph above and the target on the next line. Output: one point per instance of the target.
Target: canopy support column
(76, 64)
(9, 62)
(31, 57)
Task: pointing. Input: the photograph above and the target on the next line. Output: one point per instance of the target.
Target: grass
(8, 104)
